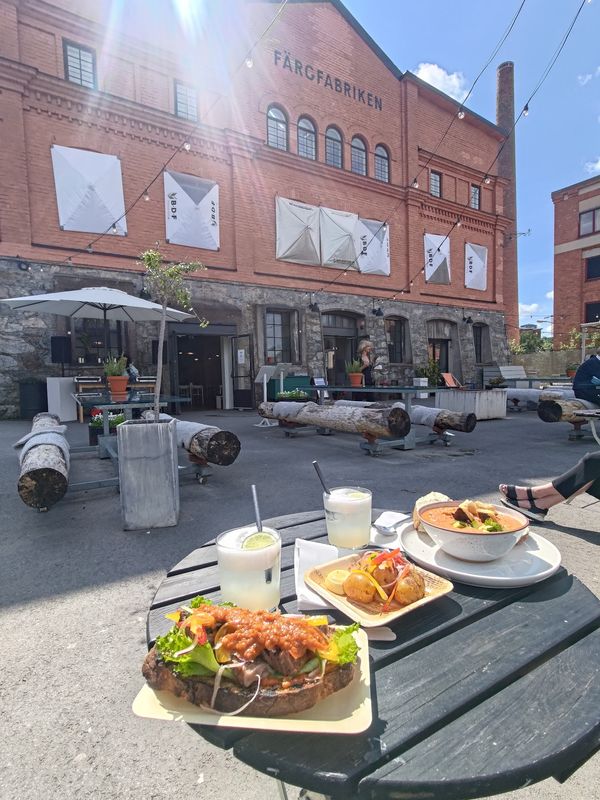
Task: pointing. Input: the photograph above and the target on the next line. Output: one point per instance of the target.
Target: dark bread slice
(270, 702)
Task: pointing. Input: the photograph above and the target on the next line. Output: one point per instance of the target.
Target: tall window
(475, 199)
(186, 102)
(592, 312)
(481, 343)
(333, 148)
(280, 336)
(592, 268)
(307, 139)
(435, 183)
(88, 340)
(358, 162)
(396, 334)
(277, 128)
(80, 64)
(382, 164)
(589, 222)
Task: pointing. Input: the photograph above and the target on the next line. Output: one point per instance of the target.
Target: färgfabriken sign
(285, 61)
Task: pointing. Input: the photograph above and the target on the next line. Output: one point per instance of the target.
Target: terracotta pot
(118, 387)
(355, 378)
(571, 373)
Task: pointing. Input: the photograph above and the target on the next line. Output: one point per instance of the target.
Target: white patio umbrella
(96, 303)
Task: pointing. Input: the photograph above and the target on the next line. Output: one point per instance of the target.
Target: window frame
(475, 206)
(378, 159)
(339, 142)
(186, 86)
(482, 343)
(402, 339)
(86, 326)
(313, 131)
(81, 48)
(588, 313)
(595, 266)
(364, 150)
(293, 335)
(595, 212)
(438, 175)
(286, 121)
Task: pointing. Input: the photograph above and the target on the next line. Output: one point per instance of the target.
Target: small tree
(166, 285)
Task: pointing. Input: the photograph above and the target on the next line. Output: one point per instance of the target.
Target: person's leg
(586, 471)
(589, 393)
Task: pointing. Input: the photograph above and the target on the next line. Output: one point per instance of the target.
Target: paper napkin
(309, 554)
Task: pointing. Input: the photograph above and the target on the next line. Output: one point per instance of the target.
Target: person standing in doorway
(368, 359)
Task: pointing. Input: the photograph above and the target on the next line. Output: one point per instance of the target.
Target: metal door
(242, 371)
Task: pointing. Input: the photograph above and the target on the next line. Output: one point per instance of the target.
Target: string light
(114, 228)
(526, 110)
(249, 62)
(458, 223)
(487, 179)
(187, 147)
(146, 196)
(461, 114)
(415, 184)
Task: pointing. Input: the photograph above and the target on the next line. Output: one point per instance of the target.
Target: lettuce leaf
(198, 601)
(346, 644)
(201, 656)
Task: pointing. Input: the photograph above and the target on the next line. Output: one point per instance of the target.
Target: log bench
(567, 410)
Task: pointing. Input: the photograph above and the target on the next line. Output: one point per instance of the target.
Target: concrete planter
(148, 474)
(485, 404)
(421, 382)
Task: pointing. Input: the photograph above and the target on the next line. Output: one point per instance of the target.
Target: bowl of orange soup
(469, 543)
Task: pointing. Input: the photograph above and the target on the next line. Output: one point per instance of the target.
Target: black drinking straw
(256, 509)
(321, 478)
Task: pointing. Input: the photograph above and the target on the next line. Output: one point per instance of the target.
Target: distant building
(576, 256)
(296, 188)
(530, 328)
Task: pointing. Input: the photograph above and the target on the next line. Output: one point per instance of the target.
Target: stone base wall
(25, 336)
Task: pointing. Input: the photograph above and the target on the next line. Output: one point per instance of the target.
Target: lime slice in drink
(256, 541)
(356, 495)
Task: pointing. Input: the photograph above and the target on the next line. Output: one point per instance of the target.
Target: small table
(590, 416)
(483, 691)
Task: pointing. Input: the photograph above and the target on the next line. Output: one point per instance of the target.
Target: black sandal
(531, 511)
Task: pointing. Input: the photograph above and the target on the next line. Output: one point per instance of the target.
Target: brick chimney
(505, 118)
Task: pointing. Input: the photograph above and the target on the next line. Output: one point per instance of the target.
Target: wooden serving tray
(371, 615)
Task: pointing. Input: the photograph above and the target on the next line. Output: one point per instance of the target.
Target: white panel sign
(89, 191)
(191, 211)
(297, 226)
(437, 258)
(338, 243)
(475, 266)
(373, 246)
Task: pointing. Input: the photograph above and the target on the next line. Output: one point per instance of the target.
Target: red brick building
(576, 256)
(312, 173)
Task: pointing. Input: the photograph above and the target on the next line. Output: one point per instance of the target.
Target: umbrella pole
(106, 335)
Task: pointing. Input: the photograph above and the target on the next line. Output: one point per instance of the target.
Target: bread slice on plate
(432, 497)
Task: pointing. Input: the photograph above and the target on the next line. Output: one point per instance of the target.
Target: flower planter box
(148, 474)
(485, 404)
(94, 431)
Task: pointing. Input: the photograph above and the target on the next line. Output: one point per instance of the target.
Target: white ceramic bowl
(475, 546)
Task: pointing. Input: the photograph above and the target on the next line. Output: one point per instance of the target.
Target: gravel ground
(75, 588)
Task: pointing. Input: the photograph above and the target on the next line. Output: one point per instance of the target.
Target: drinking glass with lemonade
(348, 516)
(250, 567)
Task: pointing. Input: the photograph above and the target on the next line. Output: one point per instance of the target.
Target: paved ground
(74, 589)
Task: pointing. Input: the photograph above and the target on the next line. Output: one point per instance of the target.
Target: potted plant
(432, 372)
(571, 369)
(354, 372)
(96, 425)
(117, 381)
(294, 395)
(496, 383)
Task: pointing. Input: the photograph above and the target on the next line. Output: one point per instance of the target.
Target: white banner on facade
(297, 232)
(475, 266)
(372, 241)
(437, 258)
(338, 244)
(89, 191)
(191, 211)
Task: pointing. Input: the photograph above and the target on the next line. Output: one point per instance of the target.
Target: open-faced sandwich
(229, 659)
(381, 578)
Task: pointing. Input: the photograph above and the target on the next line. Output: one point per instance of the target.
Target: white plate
(532, 560)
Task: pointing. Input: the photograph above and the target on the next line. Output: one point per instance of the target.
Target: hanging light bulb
(526, 110)
(461, 114)
(89, 248)
(249, 62)
(415, 184)
(187, 147)
(113, 228)
(146, 196)
(487, 179)
(458, 223)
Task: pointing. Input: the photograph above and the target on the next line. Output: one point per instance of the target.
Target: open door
(242, 372)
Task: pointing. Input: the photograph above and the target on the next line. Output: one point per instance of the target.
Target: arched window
(382, 164)
(307, 139)
(358, 161)
(333, 148)
(398, 340)
(277, 128)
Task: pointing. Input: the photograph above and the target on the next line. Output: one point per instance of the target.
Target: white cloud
(528, 308)
(452, 83)
(583, 79)
(592, 167)
(550, 295)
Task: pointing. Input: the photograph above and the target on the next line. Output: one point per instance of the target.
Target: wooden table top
(483, 691)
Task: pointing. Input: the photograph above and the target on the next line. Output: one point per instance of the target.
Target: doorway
(340, 341)
(199, 369)
(438, 351)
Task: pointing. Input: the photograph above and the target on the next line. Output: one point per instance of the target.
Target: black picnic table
(483, 691)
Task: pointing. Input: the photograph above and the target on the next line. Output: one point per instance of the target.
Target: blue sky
(558, 143)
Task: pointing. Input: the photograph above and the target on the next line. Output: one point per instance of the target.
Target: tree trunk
(378, 423)
(439, 419)
(205, 442)
(562, 410)
(44, 476)
(518, 396)
(159, 361)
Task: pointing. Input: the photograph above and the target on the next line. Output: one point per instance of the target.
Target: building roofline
(578, 185)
